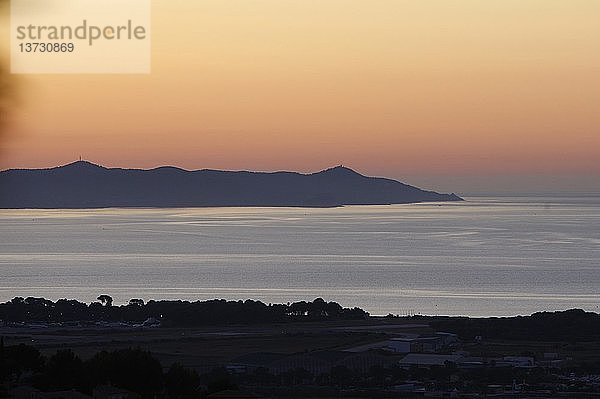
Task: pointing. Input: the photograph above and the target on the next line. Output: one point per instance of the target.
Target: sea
(486, 256)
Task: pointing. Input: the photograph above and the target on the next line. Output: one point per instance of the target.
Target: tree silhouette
(19, 359)
(64, 370)
(106, 300)
(181, 383)
(173, 313)
(136, 302)
(132, 369)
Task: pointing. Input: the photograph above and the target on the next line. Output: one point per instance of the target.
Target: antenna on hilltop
(80, 158)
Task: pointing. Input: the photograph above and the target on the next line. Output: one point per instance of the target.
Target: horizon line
(163, 166)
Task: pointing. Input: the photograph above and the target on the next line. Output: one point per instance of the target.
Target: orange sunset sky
(469, 96)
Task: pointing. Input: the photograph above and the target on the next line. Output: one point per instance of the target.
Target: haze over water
(486, 256)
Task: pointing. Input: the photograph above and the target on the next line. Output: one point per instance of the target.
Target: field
(203, 348)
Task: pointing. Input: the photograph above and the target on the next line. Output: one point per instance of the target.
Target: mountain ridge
(83, 184)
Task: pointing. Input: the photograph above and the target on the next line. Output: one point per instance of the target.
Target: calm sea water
(486, 256)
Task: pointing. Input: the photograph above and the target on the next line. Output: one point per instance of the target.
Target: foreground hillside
(248, 349)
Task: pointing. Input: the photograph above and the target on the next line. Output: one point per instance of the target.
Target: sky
(464, 96)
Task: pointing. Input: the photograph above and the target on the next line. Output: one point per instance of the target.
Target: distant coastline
(83, 185)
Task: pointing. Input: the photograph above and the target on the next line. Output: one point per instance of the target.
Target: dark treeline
(173, 313)
(132, 369)
(575, 325)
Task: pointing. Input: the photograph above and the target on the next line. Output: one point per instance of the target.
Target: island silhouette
(83, 184)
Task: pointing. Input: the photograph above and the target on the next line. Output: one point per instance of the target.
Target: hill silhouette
(83, 184)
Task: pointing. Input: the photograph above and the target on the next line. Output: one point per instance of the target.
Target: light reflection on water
(487, 256)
